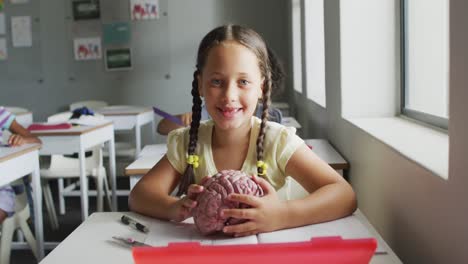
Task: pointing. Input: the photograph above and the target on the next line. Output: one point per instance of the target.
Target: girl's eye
(216, 82)
(244, 82)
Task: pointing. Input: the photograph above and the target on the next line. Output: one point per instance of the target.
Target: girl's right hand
(182, 209)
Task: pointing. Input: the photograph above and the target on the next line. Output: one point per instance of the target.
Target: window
(314, 50)
(296, 44)
(425, 54)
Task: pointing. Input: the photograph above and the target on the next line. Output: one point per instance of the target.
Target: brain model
(214, 199)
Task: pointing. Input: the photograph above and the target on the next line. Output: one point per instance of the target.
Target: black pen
(129, 221)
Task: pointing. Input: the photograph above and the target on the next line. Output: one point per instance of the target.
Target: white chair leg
(99, 192)
(8, 227)
(22, 217)
(107, 193)
(61, 197)
(19, 236)
(49, 202)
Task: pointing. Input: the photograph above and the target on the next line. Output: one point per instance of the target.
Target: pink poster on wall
(144, 9)
(87, 48)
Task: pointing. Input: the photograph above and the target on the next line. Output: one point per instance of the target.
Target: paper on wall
(21, 34)
(87, 48)
(3, 49)
(19, 1)
(2, 24)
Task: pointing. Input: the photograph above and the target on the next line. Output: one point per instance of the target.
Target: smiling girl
(233, 72)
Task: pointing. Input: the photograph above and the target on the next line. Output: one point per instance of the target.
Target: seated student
(233, 70)
(277, 75)
(19, 137)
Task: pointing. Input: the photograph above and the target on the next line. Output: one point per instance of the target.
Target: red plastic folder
(331, 250)
(37, 127)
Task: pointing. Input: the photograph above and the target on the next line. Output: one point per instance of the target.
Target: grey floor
(67, 222)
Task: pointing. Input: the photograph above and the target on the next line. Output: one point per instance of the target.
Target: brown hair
(270, 69)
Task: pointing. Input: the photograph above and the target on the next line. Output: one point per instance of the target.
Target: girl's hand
(186, 118)
(264, 216)
(182, 209)
(16, 140)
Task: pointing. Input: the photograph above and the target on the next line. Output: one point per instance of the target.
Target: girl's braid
(189, 176)
(266, 105)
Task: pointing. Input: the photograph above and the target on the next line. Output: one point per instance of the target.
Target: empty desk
(77, 139)
(129, 118)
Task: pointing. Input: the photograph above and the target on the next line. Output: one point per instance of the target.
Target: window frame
(429, 119)
(307, 82)
(297, 47)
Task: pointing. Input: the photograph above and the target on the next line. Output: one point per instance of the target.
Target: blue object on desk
(81, 111)
(167, 116)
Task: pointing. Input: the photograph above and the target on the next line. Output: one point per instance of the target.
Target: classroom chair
(62, 167)
(17, 222)
(91, 104)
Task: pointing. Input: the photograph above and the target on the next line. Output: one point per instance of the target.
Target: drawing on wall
(3, 49)
(86, 9)
(21, 35)
(2, 24)
(87, 48)
(19, 1)
(118, 59)
(144, 9)
(117, 33)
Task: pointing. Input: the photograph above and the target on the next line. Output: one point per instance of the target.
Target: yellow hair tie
(193, 160)
(262, 166)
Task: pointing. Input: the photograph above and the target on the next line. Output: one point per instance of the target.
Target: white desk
(148, 157)
(325, 151)
(78, 139)
(16, 162)
(23, 116)
(129, 117)
(92, 241)
(291, 122)
(151, 154)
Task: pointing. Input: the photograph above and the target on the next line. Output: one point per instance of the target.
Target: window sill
(426, 146)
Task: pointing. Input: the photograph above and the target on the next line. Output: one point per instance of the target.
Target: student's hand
(182, 209)
(16, 140)
(186, 118)
(264, 216)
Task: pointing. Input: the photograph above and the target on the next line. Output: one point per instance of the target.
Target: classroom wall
(52, 79)
(422, 216)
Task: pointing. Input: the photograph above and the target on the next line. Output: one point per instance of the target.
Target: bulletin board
(148, 40)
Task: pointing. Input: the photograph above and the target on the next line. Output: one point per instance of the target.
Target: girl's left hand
(265, 214)
(16, 140)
